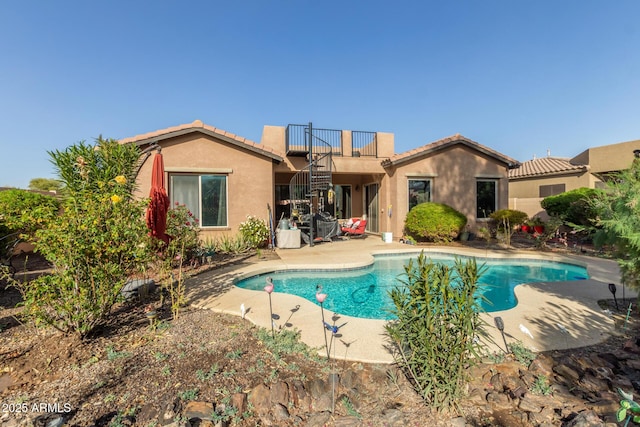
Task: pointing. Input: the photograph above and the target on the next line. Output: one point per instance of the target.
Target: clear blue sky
(519, 76)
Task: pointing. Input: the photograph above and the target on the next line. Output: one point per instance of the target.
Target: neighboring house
(547, 176)
(223, 177)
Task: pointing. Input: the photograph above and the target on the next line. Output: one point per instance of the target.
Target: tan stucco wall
(526, 188)
(454, 173)
(530, 206)
(524, 193)
(608, 158)
(249, 184)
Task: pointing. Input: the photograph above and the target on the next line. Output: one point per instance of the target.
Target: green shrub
(183, 230)
(98, 240)
(574, 207)
(254, 231)
(522, 353)
(438, 320)
(506, 220)
(434, 222)
(25, 212)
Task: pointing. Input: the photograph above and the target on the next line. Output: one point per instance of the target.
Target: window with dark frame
(419, 191)
(486, 197)
(551, 190)
(204, 195)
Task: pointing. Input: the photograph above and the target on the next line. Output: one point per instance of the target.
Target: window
(419, 191)
(551, 190)
(486, 197)
(204, 195)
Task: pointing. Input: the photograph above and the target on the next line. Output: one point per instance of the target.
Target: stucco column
(347, 145)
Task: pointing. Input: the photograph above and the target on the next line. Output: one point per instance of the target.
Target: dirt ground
(131, 372)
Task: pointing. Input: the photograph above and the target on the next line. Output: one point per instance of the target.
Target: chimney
(548, 152)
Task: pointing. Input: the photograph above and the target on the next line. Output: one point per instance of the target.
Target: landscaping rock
(569, 374)
(138, 288)
(299, 395)
(201, 410)
(239, 401)
(457, 422)
(529, 404)
(498, 400)
(586, 419)
(318, 419)
(280, 412)
(260, 398)
(317, 388)
(393, 417)
(348, 421)
(323, 403)
(280, 393)
(542, 365)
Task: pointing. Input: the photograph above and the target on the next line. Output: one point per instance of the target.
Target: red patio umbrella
(159, 203)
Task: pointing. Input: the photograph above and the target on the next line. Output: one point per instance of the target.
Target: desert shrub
(254, 231)
(183, 231)
(574, 207)
(434, 222)
(231, 245)
(438, 319)
(98, 240)
(25, 212)
(506, 220)
(21, 208)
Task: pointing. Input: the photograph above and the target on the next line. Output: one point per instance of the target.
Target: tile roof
(545, 166)
(444, 143)
(198, 126)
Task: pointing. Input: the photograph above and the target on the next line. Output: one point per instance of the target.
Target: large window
(204, 195)
(419, 191)
(486, 197)
(551, 190)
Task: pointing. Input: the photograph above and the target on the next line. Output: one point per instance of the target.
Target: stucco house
(547, 176)
(223, 177)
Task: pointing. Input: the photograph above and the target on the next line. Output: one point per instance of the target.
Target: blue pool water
(363, 292)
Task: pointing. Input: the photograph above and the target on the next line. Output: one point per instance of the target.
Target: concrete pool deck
(558, 315)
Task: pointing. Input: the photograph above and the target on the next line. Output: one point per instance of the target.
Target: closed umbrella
(159, 203)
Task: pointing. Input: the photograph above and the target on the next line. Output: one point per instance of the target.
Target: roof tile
(545, 166)
(198, 124)
(450, 140)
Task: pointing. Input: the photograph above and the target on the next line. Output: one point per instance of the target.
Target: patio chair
(356, 229)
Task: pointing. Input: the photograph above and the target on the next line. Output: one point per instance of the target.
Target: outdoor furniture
(288, 239)
(327, 230)
(355, 229)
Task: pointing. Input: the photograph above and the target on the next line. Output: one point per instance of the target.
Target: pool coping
(541, 306)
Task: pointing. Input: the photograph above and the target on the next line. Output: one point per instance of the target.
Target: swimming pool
(363, 292)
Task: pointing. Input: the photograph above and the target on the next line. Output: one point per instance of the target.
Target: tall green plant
(95, 244)
(618, 211)
(506, 220)
(438, 321)
(21, 214)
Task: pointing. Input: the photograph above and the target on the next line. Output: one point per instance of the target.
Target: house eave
(224, 138)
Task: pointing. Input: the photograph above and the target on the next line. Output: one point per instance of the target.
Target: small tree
(438, 319)
(45, 184)
(506, 220)
(95, 244)
(618, 211)
(23, 212)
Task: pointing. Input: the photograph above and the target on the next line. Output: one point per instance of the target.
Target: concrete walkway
(558, 315)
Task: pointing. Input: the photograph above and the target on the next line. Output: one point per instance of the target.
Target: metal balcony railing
(364, 144)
